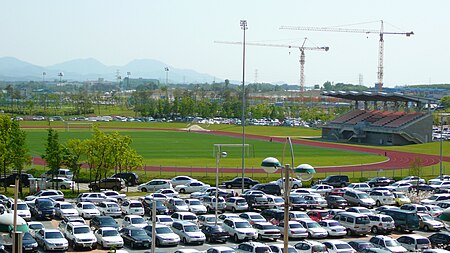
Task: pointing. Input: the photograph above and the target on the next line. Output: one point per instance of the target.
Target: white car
(207, 192)
(194, 186)
(295, 183)
(334, 228)
(133, 220)
(364, 187)
(109, 237)
(433, 210)
(94, 197)
(279, 248)
(65, 209)
(275, 201)
(382, 197)
(208, 219)
(22, 209)
(316, 201)
(61, 182)
(181, 180)
(435, 199)
(195, 206)
(235, 204)
(115, 195)
(224, 216)
(164, 219)
(295, 230)
(132, 207)
(399, 186)
(322, 189)
(314, 229)
(87, 210)
(51, 239)
(307, 246)
(338, 246)
(171, 193)
(220, 249)
(177, 205)
(239, 229)
(109, 209)
(413, 180)
(440, 184)
(188, 232)
(267, 230)
(252, 217)
(34, 227)
(164, 235)
(387, 243)
(154, 185)
(52, 194)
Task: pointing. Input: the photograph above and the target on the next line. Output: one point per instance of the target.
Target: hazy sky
(181, 33)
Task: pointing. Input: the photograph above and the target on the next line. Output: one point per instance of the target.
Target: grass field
(196, 149)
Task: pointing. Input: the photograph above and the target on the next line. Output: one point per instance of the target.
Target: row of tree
(102, 153)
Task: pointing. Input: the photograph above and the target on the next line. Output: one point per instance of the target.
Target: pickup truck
(79, 235)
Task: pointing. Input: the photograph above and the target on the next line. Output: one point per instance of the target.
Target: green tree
(53, 152)
(73, 151)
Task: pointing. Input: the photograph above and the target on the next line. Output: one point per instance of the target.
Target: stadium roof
(377, 96)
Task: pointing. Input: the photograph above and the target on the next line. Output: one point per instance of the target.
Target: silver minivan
(355, 223)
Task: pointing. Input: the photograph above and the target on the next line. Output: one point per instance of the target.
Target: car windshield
(422, 209)
(190, 228)
(195, 203)
(179, 203)
(81, 230)
(165, 219)
(333, 224)
(435, 183)
(363, 195)
(66, 206)
(401, 195)
(241, 201)
(433, 197)
(242, 225)
(319, 248)
(53, 235)
(362, 220)
(427, 218)
(362, 210)
(422, 241)
(163, 230)
(45, 204)
(295, 225)
(387, 219)
(313, 225)
(135, 205)
(88, 206)
(278, 200)
(343, 246)
(36, 226)
(269, 227)
(137, 220)
(387, 193)
(21, 206)
(112, 205)
(110, 233)
(301, 216)
(365, 245)
(262, 249)
(138, 232)
(391, 243)
(256, 217)
(107, 221)
(27, 236)
(189, 217)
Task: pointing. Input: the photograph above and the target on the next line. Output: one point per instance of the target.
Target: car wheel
(233, 210)
(62, 187)
(184, 240)
(132, 245)
(95, 188)
(45, 248)
(374, 230)
(144, 189)
(294, 186)
(235, 238)
(158, 243)
(426, 228)
(115, 188)
(259, 237)
(378, 203)
(349, 232)
(182, 190)
(228, 186)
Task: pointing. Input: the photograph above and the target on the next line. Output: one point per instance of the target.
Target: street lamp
(304, 173)
(440, 146)
(218, 156)
(167, 74)
(243, 27)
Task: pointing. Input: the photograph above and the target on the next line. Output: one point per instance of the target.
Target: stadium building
(381, 119)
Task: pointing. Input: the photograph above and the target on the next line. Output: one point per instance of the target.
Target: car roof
(416, 236)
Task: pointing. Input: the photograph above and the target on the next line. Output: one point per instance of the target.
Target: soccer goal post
(78, 125)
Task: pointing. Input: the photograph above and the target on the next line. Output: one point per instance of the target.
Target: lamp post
(304, 173)
(440, 146)
(218, 156)
(167, 75)
(243, 27)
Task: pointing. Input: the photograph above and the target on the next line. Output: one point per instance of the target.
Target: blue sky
(181, 33)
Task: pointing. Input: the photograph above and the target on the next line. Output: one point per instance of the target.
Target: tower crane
(381, 32)
(302, 49)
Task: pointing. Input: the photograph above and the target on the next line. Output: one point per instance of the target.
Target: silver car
(51, 239)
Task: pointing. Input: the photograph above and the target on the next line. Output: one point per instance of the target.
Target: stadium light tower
(244, 28)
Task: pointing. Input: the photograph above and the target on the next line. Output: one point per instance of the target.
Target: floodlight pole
(153, 226)
(243, 27)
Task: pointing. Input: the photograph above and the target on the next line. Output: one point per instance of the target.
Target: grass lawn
(196, 149)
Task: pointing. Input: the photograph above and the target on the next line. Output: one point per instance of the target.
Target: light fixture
(304, 172)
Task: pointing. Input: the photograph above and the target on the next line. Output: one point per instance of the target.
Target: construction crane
(302, 49)
(381, 32)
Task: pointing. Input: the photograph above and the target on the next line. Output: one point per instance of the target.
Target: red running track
(396, 159)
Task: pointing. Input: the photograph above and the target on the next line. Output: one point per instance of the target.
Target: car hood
(91, 211)
(433, 222)
(58, 240)
(139, 225)
(182, 208)
(199, 207)
(168, 236)
(246, 230)
(200, 234)
(90, 236)
(116, 238)
(427, 201)
(142, 238)
(69, 211)
(318, 230)
(397, 249)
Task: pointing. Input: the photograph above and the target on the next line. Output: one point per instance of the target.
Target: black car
(237, 183)
(10, 179)
(440, 240)
(335, 201)
(215, 233)
(136, 237)
(130, 178)
(269, 188)
(160, 207)
(273, 214)
(422, 187)
(29, 244)
(336, 180)
(380, 181)
(43, 209)
(360, 245)
(103, 221)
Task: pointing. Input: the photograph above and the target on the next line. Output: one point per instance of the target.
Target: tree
(53, 153)
(445, 101)
(416, 170)
(13, 151)
(73, 150)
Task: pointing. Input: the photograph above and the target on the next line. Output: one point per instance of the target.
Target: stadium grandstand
(380, 118)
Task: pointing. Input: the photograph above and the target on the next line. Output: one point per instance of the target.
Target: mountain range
(13, 69)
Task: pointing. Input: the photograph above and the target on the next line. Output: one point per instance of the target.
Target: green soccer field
(171, 148)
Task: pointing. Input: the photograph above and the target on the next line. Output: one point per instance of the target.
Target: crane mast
(381, 32)
(302, 49)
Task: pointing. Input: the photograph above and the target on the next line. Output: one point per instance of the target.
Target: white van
(355, 223)
(60, 173)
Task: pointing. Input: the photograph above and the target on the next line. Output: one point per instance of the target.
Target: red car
(338, 191)
(318, 215)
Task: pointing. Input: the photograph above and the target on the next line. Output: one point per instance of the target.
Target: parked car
(269, 188)
(112, 183)
(414, 242)
(43, 209)
(380, 223)
(177, 205)
(359, 198)
(51, 239)
(60, 183)
(160, 207)
(405, 220)
(94, 197)
(115, 195)
(190, 187)
(188, 232)
(360, 245)
(181, 180)
(314, 229)
(237, 183)
(131, 178)
(400, 198)
(387, 243)
(58, 173)
(336, 201)
(108, 237)
(135, 237)
(87, 210)
(235, 204)
(195, 206)
(154, 185)
(427, 223)
(79, 236)
(239, 229)
(338, 246)
(334, 228)
(363, 187)
(380, 181)
(65, 209)
(294, 183)
(308, 246)
(336, 180)
(132, 207)
(382, 197)
(133, 220)
(10, 179)
(109, 209)
(318, 215)
(29, 244)
(253, 247)
(440, 240)
(98, 222)
(215, 233)
(266, 230)
(295, 230)
(164, 235)
(49, 194)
